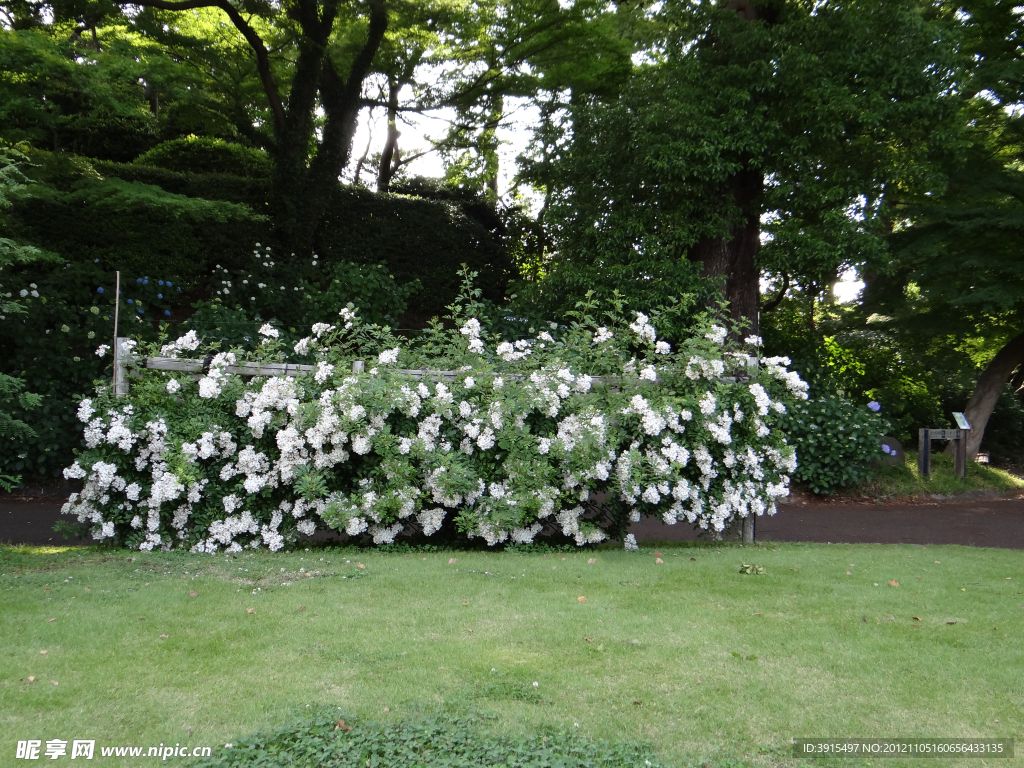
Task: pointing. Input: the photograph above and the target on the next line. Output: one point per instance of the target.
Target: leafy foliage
(839, 443)
(820, 105)
(517, 438)
(327, 737)
(197, 154)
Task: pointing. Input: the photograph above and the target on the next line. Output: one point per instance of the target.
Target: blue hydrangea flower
(167, 312)
(100, 289)
(141, 311)
(138, 280)
(874, 406)
(131, 301)
(886, 448)
(160, 283)
(146, 281)
(159, 295)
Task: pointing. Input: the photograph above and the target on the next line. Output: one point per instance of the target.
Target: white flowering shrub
(519, 438)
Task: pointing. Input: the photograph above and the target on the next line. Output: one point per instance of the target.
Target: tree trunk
(387, 169)
(986, 391)
(734, 255)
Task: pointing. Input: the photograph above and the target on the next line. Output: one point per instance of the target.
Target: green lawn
(901, 481)
(690, 656)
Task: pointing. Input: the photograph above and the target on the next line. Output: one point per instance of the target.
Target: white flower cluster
(187, 343)
(507, 456)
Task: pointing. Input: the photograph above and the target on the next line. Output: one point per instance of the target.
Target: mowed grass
(700, 661)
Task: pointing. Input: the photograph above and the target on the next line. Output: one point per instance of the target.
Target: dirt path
(986, 522)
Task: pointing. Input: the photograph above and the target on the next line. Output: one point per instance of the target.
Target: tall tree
(786, 111)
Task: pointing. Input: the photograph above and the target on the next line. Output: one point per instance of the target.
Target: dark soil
(986, 521)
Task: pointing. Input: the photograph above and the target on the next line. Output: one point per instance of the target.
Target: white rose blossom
(433, 450)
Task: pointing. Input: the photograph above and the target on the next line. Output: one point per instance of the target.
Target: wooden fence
(123, 361)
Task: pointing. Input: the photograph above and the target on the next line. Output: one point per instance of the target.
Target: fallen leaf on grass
(87, 589)
(894, 583)
(42, 653)
(916, 618)
(848, 573)
(757, 614)
(31, 678)
(46, 589)
(387, 709)
(657, 554)
(193, 593)
(591, 561)
(693, 559)
(936, 562)
(950, 623)
(53, 619)
(302, 608)
(470, 631)
(581, 599)
(164, 637)
(466, 603)
(637, 704)
(341, 726)
(54, 682)
(589, 639)
(142, 618)
(250, 610)
(659, 561)
(360, 566)
(452, 561)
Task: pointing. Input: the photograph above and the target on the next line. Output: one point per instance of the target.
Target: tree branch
(251, 37)
(768, 307)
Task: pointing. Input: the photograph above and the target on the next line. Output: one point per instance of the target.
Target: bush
(516, 439)
(102, 210)
(839, 443)
(194, 154)
(67, 310)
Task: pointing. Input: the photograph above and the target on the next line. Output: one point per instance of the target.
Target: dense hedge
(200, 154)
(417, 238)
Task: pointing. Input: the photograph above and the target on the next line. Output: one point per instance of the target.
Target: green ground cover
(903, 481)
(689, 657)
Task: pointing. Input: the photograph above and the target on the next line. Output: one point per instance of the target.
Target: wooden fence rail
(122, 361)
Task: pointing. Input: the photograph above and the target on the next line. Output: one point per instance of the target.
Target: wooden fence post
(121, 361)
(924, 447)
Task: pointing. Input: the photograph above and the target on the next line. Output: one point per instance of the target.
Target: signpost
(959, 438)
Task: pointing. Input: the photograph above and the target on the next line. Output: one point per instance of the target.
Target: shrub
(67, 310)
(516, 438)
(839, 443)
(91, 211)
(195, 154)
